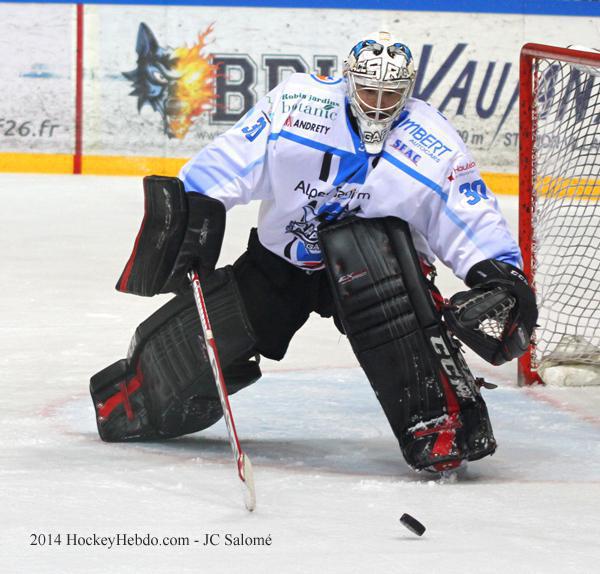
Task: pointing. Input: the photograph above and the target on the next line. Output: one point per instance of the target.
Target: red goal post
(559, 210)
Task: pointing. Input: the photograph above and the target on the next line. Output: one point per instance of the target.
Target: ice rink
(331, 484)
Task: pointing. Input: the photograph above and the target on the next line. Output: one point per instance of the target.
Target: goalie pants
(279, 297)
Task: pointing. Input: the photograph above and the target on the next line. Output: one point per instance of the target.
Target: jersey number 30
(474, 190)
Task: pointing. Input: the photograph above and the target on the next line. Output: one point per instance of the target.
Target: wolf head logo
(177, 83)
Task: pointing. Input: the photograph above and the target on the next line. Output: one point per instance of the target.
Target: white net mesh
(493, 323)
(566, 217)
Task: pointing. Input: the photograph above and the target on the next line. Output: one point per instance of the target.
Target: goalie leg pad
(165, 388)
(386, 306)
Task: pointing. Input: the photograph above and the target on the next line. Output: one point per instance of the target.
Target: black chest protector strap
(385, 304)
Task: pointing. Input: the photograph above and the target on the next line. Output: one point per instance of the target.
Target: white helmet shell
(380, 76)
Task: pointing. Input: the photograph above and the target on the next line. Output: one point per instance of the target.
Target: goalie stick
(242, 460)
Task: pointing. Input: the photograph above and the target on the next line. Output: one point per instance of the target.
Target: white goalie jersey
(298, 152)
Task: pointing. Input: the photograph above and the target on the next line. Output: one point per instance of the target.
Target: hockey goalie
(362, 186)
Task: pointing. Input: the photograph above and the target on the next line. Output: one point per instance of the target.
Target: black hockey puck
(412, 524)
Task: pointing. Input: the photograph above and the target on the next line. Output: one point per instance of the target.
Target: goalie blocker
(387, 309)
(179, 231)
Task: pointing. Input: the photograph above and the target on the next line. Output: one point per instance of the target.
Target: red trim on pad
(130, 262)
(122, 396)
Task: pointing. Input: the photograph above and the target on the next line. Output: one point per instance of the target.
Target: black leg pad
(165, 387)
(386, 306)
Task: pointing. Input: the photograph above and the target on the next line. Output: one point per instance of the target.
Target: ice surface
(331, 484)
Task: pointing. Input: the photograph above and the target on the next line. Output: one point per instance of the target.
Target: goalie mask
(380, 76)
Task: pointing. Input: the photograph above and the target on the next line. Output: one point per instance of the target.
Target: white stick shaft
(242, 460)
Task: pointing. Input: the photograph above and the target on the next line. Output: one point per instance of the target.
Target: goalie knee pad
(165, 388)
(386, 306)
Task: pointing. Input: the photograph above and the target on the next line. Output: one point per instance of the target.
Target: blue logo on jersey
(405, 150)
(305, 229)
(306, 234)
(431, 145)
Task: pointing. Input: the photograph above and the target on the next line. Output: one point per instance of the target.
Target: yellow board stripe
(36, 162)
(499, 183)
(502, 183)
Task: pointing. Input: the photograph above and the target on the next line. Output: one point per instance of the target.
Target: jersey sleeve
(232, 167)
(467, 225)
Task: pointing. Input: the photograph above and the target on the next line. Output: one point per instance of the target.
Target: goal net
(559, 220)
